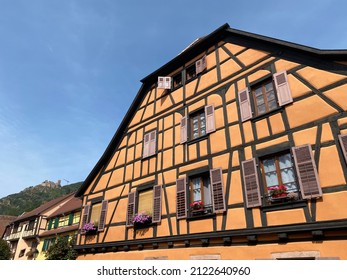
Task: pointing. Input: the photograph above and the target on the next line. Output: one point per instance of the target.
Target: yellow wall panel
(273, 142)
(305, 136)
(228, 68)
(130, 154)
(200, 226)
(193, 166)
(168, 121)
(330, 171)
(232, 112)
(250, 56)
(236, 219)
(170, 176)
(102, 184)
(285, 217)
(256, 217)
(248, 153)
(282, 65)
(149, 111)
(179, 154)
(262, 129)
(297, 87)
(332, 205)
(208, 79)
(327, 134)
(143, 180)
(319, 78)
(163, 104)
(276, 122)
(145, 99)
(235, 159)
(129, 172)
(192, 153)
(211, 60)
(258, 75)
(117, 176)
(236, 191)
(152, 164)
(121, 158)
(230, 94)
(145, 165)
(115, 234)
(203, 148)
(197, 105)
(222, 54)
(297, 112)
(167, 159)
(168, 138)
(159, 161)
(214, 99)
(131, 140)
(190, 88)
(219, 118)
(137, 117)
(112, 161)
(163, 229)
(177, 135)
(234, 49)
(342, 121)
(338, 95)
(218, 141)
(247, 131)
(221, 161)
(177, 95)
(138, 151)
(235, 135)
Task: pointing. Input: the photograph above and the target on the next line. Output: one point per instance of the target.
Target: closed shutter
(245, 105)
(282, 88)
(103, 213)
(251, 183)
(45, 245)
(50, 224)
(70, 219)
(156, 218)
(306, 172)
(181, 198)
(200, 65)
(183, 130)
(210, 119)
(130, 208)
(164, 82)
(56, 222)
(343, 142)
(86, 213)
(218, 198)
(152, 143)
(145, 146)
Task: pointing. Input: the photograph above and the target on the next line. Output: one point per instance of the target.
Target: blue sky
(69, 69)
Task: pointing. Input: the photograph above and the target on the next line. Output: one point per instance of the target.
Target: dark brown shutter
(130, 208)
(181, 198)
(210, 120)
(200, 65)
(85, 216)
(184, 132)
(306, 172)
(146, 145)
(251, 183)
(103, 212)
(282, 88)
(156, 218)
(343, 143)
(152, 143)
(245, 105)
(218, 197)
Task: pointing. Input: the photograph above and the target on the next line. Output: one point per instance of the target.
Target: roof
(4, 222)
(38, 211)
(74, 203)
(282, 48)
(59, 230)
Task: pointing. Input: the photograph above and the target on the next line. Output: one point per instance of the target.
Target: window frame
(87, 213)
(262, 85)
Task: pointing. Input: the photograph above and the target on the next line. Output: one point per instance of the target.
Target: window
(264, 97)
(149, 144)
(177, 80)
(164, 82)
(63, 221)
(31, 225)
(146, 200)
(95, 213)
(190, 72)
(204, 194)
(201, 123)
(76, 217)
(279, 178)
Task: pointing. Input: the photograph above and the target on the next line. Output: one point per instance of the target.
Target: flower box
(142, 220)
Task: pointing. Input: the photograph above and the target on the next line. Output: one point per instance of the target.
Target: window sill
(284, 205)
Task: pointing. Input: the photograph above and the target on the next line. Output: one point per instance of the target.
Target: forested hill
(32, 197)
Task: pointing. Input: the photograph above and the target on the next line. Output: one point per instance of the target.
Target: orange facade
(235, 149)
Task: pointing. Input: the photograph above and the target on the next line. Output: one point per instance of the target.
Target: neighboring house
(235, 149)
(23, 233)
(63, 222)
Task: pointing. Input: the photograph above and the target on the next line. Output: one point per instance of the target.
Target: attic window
(177, 80)
(191, 72)
(164, 82)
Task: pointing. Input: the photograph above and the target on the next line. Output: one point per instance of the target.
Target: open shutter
(102, 218)
(70, 219)
(152, 143)
(181, 198)
(50, 224)
(210, 120)
(164, 82)
(343, 142)
(251, 183)
(184, 131)
(86, 213)
(282, 88)
(130, 208)
(306, 171)
(218, 198)
(145, 146)
(200, 65)
(245, 105)
(156, 218)
(56, 222)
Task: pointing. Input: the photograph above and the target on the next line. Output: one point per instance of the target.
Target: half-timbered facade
(235, 149)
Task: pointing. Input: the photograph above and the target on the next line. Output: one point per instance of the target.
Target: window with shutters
(190, 72)
(265, 96)
(95, 214)
(200, 194)
(279, 179)
(149, 144)
(144, 206)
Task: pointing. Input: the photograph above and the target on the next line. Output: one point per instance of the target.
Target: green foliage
(62, 249)
(5, 251)
(33, 197)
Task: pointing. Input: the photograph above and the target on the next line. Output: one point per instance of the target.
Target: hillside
(32, 197)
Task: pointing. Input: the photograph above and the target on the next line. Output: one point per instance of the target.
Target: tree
(5, 251)
(62, 249)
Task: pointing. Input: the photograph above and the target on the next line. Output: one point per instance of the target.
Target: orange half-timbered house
(235, 149)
